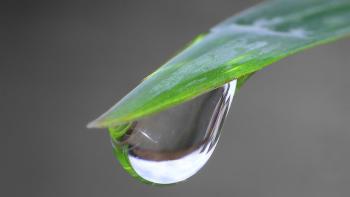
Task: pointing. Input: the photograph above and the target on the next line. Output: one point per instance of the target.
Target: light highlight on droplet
(175, 144)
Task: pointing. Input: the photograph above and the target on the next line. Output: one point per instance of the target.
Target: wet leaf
(234, 49)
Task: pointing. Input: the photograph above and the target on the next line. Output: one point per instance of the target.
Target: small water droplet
(173, 145)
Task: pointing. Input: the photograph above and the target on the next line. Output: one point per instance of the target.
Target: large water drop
(173, 145)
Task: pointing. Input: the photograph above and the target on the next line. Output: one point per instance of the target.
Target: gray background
(65, 62)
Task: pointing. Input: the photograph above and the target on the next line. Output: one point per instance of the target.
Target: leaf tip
(95, 124)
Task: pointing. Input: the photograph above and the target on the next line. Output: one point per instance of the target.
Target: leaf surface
(233, 49)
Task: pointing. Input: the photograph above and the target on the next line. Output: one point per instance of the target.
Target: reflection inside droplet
(173, 145)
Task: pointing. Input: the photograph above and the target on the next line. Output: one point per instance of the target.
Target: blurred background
(63, 63)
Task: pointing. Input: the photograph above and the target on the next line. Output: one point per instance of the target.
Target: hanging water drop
(173, 145)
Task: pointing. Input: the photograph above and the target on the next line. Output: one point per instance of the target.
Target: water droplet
(173, 145)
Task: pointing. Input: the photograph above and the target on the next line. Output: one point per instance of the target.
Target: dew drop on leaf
(172, 145)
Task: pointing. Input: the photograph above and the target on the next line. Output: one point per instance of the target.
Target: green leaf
(234, 49)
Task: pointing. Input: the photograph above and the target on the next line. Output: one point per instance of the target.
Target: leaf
(234, 49)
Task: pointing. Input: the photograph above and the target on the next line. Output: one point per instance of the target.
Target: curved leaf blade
(234, 49)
